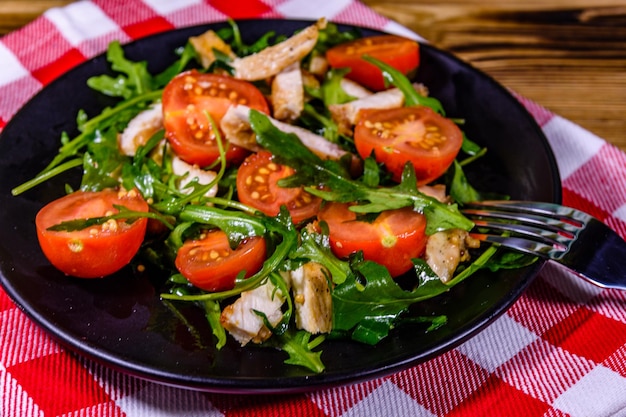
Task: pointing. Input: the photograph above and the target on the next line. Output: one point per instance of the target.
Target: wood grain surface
(567, 55)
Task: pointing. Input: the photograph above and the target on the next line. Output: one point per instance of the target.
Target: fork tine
(541, 229)
(553, 211)
(520, 244)
(571, 238)
(547, 236)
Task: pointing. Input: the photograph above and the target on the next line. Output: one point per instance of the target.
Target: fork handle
(604, 265)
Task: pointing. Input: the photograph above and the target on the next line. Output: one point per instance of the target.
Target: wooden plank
(569, 56)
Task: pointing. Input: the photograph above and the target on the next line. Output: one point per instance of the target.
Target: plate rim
(289, 384)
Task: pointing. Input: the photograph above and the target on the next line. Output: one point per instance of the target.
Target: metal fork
(570, 237)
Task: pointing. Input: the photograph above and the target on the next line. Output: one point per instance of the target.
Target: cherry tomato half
(209, 262)
(400, 53)
(257, 187)
(186, 101)
(409, 134)
(392, 239)
(97, 250)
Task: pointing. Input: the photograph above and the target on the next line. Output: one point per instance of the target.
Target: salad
(294, 189)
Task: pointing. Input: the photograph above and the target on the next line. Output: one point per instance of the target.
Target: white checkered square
(307, 9)
(14, 401)
(620, 213)
(600, 393)
(388, 400)
(498, 343)
(162, 401)
(81, 21)
(569, 285)
(26, 342)
(571, 154)
(397, 29)
(11, 68)
(164, 7)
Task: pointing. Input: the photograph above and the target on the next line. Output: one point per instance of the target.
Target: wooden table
(567, 55)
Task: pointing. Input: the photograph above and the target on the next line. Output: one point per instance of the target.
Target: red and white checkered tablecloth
(560, 350)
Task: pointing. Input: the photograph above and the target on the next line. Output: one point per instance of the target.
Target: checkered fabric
(560, 350)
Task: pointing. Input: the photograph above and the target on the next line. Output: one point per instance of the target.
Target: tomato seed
(75, 245)
(110, 225)
(255, 195)
(259, 178)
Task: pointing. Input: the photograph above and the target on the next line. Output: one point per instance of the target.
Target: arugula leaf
(315, 247)
(460, 188)
(133, 80)
(212, 312)
(372, 307)
(331, 36)
(238, 226)
(331, 90)
(299, 347)
(279, 226)
(312, 170)
(411, 96)
(187, 54)
(232, 35)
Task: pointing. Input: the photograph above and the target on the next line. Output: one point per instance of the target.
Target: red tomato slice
(209, 262)
(409, 134)
(392, 239)
(257, 187)
(98, 250)
(400, 53)
(186, 101)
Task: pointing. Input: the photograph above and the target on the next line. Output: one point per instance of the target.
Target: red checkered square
(39, 46)
(283, 406)
(5, 302)
(234, 9)
(342, 399)
(148, 27)
(541, 307)
(617, 361)
(609, 189)
(358, 14)
(14, 95)
(539, 113)
(497, 398)
(443, 382)
(588, 334)
(610, 303)
(195, 15)
(65, 62)
(136, 18)
(544, 371)
(58, 384)
(22, 340)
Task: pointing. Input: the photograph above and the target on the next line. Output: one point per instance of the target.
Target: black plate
(120, 321)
